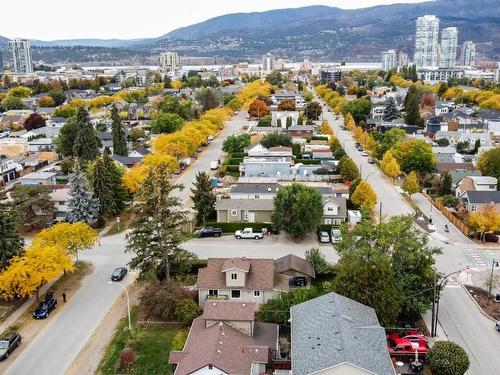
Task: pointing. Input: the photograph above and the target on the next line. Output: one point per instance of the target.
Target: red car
(411, 334)
(399, 346)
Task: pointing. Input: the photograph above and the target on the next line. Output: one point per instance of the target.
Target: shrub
(233, 161)
(179, 340)
(318, 260)
(448, 358)
(161, 300)
(307, 161)
(186, 310)
(237, 155)
(127, 358)
(233, 168)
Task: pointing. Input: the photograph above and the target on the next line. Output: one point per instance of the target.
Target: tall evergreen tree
(86, 144)
(414, 75)
(390, 110)
(203, 197)
(11, 243)
(155, 236)
(412, 107)
(106, 183)
(118, 132)
(82, 205)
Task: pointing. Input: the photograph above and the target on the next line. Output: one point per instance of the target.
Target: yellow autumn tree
(364, 196)
(390, 166)
(410, 184)
(72, 237)
(369, 144)
(358, 134)
(36, 267)
(326, 128)
(134, 177)
(485, 220)
(349, 122)
(176, 84)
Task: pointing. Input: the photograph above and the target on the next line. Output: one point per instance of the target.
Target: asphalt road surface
(58, 344)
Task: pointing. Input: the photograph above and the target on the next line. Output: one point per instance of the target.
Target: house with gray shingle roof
(333, 335)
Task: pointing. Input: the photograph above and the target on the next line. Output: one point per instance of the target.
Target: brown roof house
(240, 279)
(226, 339)
(298, 270)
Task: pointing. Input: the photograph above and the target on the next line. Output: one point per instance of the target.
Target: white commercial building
(403, 59)
(468, 55)
(170, 64)
(426, 42)
(433, 75)
(20, 50)
(388, 60)
(268, 63)
(449, 45)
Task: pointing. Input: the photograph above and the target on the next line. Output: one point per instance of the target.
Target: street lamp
(437, 297)
(128, 303)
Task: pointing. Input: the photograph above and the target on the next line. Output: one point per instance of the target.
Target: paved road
(269, 247)
(56, 346)
(459, 317)
(212, 152)
(390, 199)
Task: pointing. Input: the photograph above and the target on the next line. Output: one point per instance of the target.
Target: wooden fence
(459, 224)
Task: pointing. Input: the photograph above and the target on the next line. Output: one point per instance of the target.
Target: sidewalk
(479, 278)
(440, 334)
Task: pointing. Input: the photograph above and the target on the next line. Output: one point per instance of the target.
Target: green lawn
(152, 345)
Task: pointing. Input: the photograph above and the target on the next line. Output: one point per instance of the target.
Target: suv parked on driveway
(8, 343)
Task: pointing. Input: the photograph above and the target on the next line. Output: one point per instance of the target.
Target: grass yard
(152, 345)
(125, 218)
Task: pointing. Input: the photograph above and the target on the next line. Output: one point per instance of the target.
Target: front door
(251, 217)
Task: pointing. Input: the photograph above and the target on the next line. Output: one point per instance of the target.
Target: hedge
(233, 161)
(233, 227)
(233, 168)
(237, 155)
(308, 161)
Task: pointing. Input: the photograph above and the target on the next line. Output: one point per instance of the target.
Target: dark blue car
(45, 307)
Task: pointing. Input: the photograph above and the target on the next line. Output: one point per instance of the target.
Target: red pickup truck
(403, 346)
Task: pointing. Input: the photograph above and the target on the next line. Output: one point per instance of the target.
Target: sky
(130, 19)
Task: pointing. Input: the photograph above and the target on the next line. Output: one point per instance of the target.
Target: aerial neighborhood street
(220, 202)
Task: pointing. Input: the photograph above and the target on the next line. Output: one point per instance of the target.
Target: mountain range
(317, 32)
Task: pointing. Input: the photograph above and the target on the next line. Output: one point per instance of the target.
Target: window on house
(257, 196)
(256, 293)
(330, 209)
(235, 294)
(210, 367)
(234, 213)
(213, 292)
(328, 221)
(472, 207)
(262, 173)
(234, 276)
(337, 221)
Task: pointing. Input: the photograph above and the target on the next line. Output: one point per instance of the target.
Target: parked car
(402, 346)
(119, 273)
(214, 164)
(323, 237)
(497, 326)
(364, 153)
(210, 232)
(248, 233)
(371, 161)
(410, 334)
(490, 237)
(45, 307)
(336, 235)
(8, 343)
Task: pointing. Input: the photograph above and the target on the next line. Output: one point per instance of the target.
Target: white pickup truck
(248, 233)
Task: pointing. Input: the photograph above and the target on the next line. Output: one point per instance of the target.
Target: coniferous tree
(86, 144)
(120, 194)
(82, 205)
(155, 236)
(118, 132)
(390, 111)
(11, 243)
(412, 107)
(203, 197)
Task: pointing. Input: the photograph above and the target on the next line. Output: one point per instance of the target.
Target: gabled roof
(332, 329)
(239, 263)
(483, 197)
(458, 174)
(229, 310)
(245, 204)
(224, 347)
(260, 276)
(292, 262)
(489, 114)
(484, 180)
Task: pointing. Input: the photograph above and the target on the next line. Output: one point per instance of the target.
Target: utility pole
(380, 212)
(433, 317)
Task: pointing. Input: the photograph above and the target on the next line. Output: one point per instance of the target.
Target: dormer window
(234, 276)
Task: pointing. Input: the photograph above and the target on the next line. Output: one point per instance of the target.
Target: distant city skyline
(112, 20)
